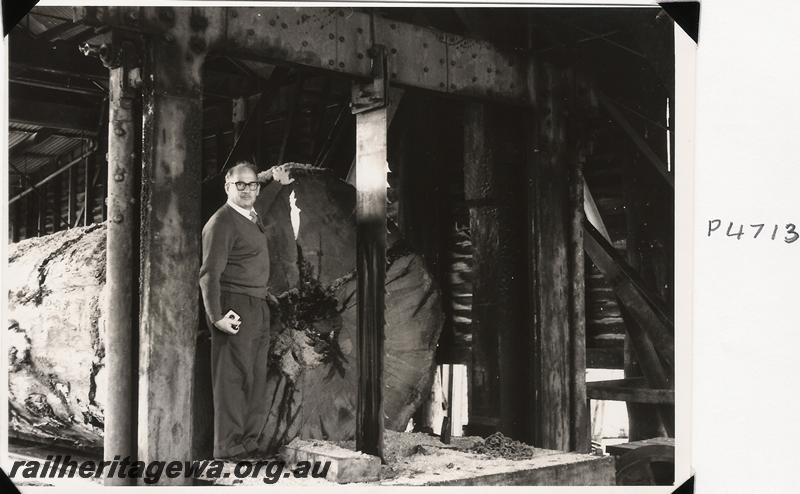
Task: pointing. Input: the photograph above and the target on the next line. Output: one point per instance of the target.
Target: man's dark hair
(238, 165)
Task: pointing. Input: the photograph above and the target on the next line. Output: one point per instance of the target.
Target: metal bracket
(108, 54)
(124, 53)
(374, 94)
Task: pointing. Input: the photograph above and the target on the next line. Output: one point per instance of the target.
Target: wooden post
(371, 167)
(559, 418)
(580, 417)
(170, 232)
(121, 309)
(103, 188)
(494, 191)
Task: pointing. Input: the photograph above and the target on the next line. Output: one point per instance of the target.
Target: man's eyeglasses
(240, 186)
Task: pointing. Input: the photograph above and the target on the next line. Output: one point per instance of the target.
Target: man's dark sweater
(235, 259)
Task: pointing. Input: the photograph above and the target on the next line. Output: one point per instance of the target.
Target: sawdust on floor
(420, 459)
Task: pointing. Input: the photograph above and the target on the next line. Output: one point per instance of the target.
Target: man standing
(233, 281)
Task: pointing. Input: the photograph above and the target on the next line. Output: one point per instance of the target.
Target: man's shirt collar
(244, 212)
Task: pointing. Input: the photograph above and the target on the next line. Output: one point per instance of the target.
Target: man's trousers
(239, 377)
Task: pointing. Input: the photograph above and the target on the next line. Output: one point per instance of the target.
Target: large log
(55, 337)
(56, 380)
(314, 379)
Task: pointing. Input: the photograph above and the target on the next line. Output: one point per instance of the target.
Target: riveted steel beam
(338, 40)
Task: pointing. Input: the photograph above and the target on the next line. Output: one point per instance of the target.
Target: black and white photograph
(305, 245)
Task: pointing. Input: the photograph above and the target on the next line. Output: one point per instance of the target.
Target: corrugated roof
(15, 126)
(43, 19)
(27, 164)
(15, 137)
(23, 126)
(55, 146)
(63, 12)
(45, 152)
(73, 31)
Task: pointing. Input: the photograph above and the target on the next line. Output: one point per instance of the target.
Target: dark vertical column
(170, 230)
(121, 307)
(12, 223)
(261, 138)
(41, 208)
(56, 187)
(88, 202)
(18, 222)
(371, 168)
(71, 193)
(494, 192)
(221, 149)
(31, 212)
(559, 419)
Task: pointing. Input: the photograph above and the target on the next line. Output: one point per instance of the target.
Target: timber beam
(338, 40)
(644, 308)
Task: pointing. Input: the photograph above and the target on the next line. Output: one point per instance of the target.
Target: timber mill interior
(528, 248)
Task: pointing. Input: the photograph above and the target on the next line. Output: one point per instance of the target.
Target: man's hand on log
(227, 325)
(278, 173)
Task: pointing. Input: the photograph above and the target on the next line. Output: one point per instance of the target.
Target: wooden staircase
(620, 305)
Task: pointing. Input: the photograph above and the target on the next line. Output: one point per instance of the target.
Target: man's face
(242, 198)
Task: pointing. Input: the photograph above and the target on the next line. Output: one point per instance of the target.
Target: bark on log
(56, 369)
(314, 381)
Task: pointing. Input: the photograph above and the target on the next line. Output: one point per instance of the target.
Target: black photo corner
(6, 484)
(14, 11)
(686, 15)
